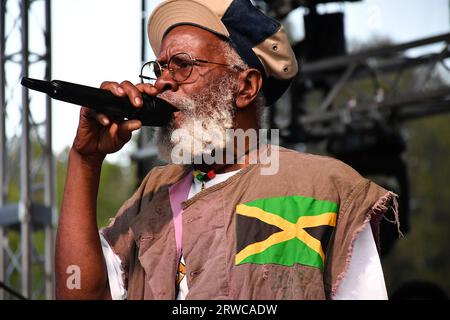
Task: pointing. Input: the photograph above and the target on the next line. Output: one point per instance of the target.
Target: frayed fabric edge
(386, 202)
(381, 207)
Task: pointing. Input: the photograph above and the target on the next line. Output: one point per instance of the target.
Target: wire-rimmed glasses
(180, 68)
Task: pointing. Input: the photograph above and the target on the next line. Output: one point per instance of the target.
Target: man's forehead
(189, 39)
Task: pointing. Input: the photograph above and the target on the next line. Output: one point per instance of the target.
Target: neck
(219, 168)
(243, 123)
(228, 167)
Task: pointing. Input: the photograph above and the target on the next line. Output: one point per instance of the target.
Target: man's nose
(166, 82)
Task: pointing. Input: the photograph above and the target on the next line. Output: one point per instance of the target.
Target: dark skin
(77, 241)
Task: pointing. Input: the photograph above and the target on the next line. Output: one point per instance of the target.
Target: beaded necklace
(204, 177)
(211, 174)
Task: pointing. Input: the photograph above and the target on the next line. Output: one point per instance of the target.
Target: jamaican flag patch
(284, 230)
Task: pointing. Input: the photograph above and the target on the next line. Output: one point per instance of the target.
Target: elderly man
(218, 229)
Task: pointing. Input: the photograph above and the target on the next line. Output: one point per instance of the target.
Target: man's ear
(250, 83)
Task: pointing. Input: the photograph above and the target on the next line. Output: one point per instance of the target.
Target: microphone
(155, 111)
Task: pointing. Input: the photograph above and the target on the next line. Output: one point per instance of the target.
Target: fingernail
(120, 90)
(137, 101)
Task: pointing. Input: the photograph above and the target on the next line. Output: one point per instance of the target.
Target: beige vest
(143, 234)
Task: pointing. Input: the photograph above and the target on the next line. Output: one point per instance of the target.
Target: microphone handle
(155, 111)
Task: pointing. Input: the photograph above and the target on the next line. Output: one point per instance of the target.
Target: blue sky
(97, 40)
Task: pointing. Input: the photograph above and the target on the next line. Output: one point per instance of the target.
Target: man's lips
(178, 113)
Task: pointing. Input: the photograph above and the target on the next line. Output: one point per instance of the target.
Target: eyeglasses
(180, 68)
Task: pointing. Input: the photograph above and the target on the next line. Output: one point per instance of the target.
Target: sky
(98, 40)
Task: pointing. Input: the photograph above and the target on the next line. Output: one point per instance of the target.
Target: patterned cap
(259, 40)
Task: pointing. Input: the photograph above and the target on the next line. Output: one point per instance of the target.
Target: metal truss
(27, 197)
(146, 157)
(361, 90)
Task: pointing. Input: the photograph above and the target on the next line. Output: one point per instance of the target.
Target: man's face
(205, 99)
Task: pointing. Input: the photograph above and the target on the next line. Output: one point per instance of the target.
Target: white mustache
(181, 103)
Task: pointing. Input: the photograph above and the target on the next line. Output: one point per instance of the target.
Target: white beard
(206, 116)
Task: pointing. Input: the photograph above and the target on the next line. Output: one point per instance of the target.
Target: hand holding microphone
(100, 136)
(154, 111)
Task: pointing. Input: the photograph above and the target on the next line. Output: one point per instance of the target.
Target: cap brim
(171, 13)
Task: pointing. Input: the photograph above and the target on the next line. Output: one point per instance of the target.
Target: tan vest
(143, 234)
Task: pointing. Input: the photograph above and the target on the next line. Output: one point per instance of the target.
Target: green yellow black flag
(284, 230)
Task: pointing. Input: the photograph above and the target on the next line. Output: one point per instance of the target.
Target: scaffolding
(27, 185)
(344, 104)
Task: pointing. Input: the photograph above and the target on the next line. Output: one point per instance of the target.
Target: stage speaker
(324, 36)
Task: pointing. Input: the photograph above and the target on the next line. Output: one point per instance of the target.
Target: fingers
(133, 93)
(99, 134)
(102, 119)
(126, 128)
(114, 87)
(91, 115)
(121, 132)
(126, 88)
(148, 89)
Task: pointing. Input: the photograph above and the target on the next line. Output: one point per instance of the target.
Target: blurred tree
(423, 254)
(117, 184)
